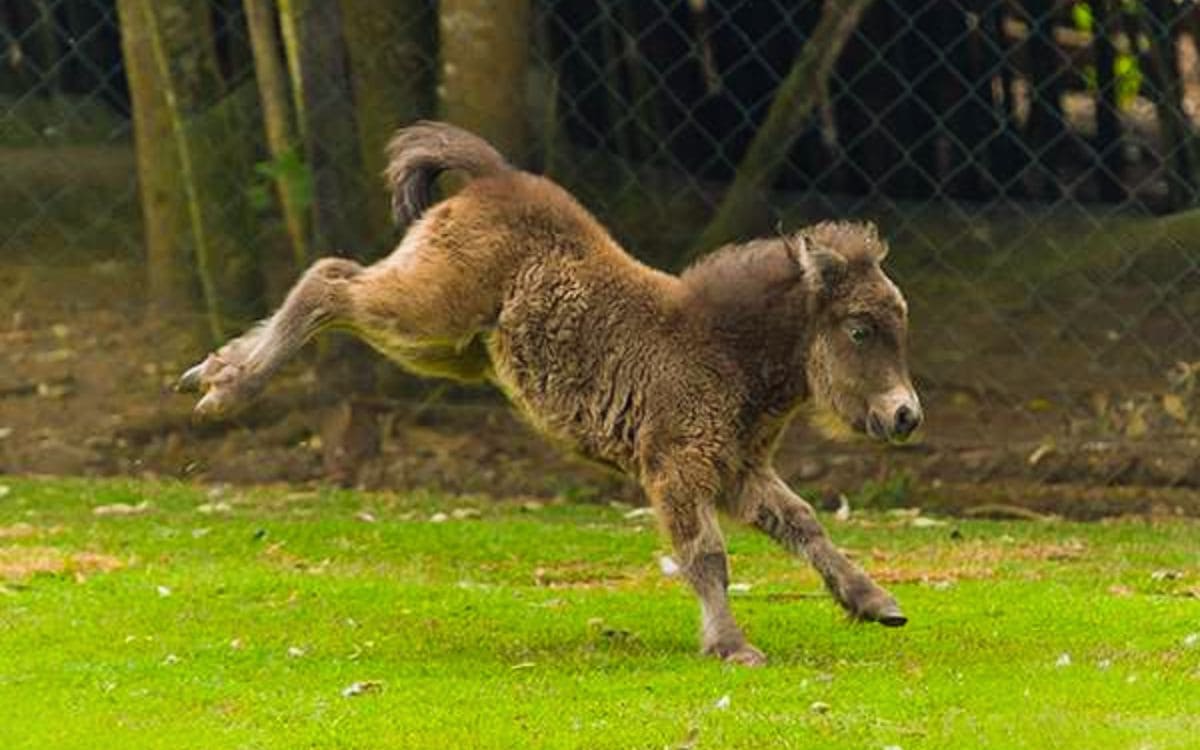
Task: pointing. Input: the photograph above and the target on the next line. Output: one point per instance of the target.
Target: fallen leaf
(439, 518)
(639, 513)
(1166, 575)
(1137, 426)
(524, 665)
(365, 516)
(1174, 406)
(1040, 404)
(923, 522)
(1039, 453)
(122, 509)
(1064, 660)
(361, 688)
(722, 703)
(689, 741)
(819, 707)
(460, 514)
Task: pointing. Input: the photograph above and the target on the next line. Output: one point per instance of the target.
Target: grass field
(242, 619)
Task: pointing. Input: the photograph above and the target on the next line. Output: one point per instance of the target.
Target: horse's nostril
(876, 426)
(907, 420)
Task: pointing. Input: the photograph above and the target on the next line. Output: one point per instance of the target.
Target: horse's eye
(859, 333)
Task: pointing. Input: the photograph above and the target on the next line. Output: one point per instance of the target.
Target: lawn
(144, 614)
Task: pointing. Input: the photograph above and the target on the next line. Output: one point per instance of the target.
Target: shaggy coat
(683, 382)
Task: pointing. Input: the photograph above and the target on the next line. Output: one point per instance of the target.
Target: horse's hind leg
(237, 372)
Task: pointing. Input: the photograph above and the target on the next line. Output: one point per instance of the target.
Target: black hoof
(891, 617)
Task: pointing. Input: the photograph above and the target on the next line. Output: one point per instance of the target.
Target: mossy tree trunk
(279, 121)
(391, 46)
(484, 55)
(194, 153)
(797, 97)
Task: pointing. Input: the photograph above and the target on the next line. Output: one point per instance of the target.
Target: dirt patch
(577, 575)
(929, 576)
(965, 560)
(22, 530)
(19, 563)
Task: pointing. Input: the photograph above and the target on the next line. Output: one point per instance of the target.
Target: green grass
(552, 627)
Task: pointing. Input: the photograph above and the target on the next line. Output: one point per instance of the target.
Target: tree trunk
(1046, 129)
(321, 91)
(164, 215)
(194, 156)
(1167, 92)
(799, 94)
(1004, 153)
(280, 123)
(10, 82)
(391, 46)
(484, 54)
(1108, 154)
(49, 57)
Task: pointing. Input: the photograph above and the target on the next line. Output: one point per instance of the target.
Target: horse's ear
(820, 265)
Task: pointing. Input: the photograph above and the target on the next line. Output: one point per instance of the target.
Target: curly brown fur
(684, 382)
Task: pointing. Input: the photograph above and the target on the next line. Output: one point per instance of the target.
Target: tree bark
(1004, 153)
(799, 94)
(325, 110)
(49, 57)
(279, 121)
(1168, 102)
(321, 88)
(484, 55)
(194, 159)
(391, 46)
(1046, 130)
(1109, 157)
(164, 215)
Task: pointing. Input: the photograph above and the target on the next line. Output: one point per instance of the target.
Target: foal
(683, 382)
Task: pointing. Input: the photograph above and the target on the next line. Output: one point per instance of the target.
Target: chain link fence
(1034, 165)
